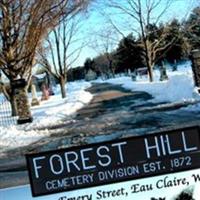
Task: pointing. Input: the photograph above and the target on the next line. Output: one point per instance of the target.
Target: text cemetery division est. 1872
(114, 161)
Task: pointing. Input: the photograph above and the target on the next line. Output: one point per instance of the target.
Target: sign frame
(76, 148)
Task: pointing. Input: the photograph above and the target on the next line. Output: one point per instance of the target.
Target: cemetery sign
(114, 161)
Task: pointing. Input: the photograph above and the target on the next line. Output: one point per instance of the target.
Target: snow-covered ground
(47, 113)
(179, 88)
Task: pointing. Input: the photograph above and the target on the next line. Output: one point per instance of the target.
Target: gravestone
(163, 72)
(23, 108)
(35, 101)
(195, 57)
(91, 75)
(129, 72)
(174, 66)
(50, 81)
(45, 93)
(134, 76)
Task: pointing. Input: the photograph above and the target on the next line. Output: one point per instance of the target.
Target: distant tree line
(182, 37)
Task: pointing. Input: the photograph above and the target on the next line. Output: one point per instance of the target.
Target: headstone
(45, 93)
(91, 75)
(23, 107)
(163, 72)
(196, 67)
(174, 66)
(129, 72)
(142, 71)
(35, 101)
(51, 92)
(133, 76)
(50, 83)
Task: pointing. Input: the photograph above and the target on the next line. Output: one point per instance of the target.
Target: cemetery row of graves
(42, 85)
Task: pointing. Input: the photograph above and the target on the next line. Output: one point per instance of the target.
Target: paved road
(113, 113)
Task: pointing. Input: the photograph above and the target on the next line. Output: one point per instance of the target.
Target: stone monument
(195, 57)
(134, 75)
(35, 101)
(163, 72)
(23, 108)
(91, 75)
(45, 92)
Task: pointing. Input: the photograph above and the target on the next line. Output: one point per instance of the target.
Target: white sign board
(164, 187)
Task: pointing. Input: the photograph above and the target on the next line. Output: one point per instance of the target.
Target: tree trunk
(149, 68)
(150, 71)
(62, 87)
(111, 68)
(148, 61)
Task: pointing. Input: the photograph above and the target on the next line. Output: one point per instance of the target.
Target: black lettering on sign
(114, 161)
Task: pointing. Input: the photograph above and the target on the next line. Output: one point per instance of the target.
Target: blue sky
(98, 23)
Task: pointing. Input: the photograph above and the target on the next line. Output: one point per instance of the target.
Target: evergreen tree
(102, 65)
(128, 54)
(89, 64)
(192, 28)
(153, 32)
(178, 50)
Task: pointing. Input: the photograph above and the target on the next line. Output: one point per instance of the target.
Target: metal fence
(6, 118)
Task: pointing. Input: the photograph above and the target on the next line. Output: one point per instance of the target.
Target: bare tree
(141, 15)
(62, 49)
(23, 26)
(103, 43)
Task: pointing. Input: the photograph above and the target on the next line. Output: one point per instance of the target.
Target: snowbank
(179, 87)
(47, 113)
(15, 137)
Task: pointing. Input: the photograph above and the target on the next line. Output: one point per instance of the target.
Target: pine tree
(192, 28)
(128, 54)
(179, 49)
(89, 64)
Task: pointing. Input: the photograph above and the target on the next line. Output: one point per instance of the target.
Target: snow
(40, 76)
(179, 87)
(48, 113)
(15, 137)
(55, 109)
